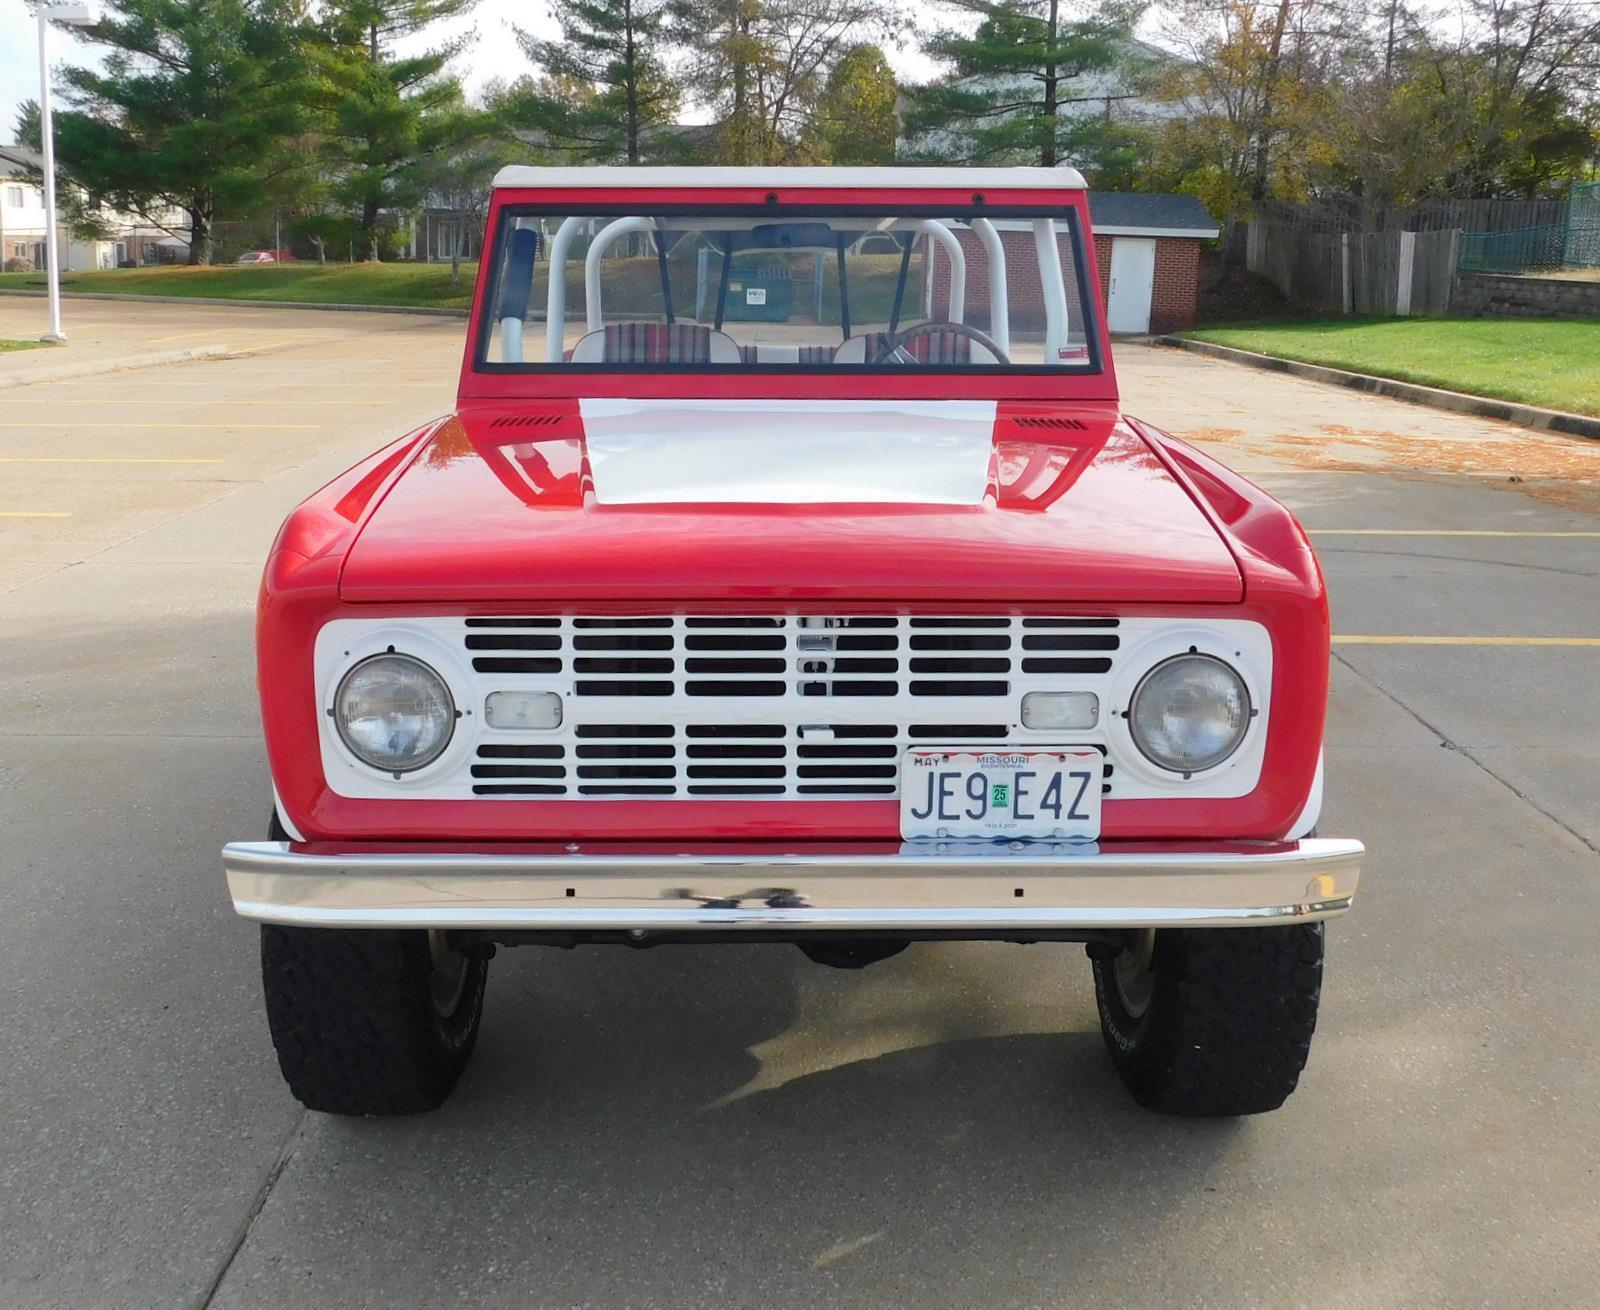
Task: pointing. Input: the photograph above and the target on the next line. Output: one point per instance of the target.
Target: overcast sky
(493, 55)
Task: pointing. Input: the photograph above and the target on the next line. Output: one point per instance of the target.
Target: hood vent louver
(525, 420)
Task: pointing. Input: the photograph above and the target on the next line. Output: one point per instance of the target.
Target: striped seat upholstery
(657, 343)
(932, 347)
(806, 355)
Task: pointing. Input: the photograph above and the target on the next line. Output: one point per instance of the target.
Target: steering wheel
(892, 341)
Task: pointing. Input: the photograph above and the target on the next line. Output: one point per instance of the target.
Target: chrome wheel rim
(1133, 971)
(447, 980)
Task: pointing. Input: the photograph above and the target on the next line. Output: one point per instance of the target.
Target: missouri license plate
(1038, 795)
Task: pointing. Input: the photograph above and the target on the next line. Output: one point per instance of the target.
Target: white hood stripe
(793, 452)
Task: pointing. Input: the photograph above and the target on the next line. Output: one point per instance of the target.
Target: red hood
(501, 506)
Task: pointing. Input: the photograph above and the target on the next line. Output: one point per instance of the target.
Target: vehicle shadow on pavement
(737, 1125)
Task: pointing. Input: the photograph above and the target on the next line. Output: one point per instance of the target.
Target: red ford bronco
(787, 571)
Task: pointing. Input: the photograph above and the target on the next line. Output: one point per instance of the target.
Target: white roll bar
(1055, 291)
(555, 305)
(958, 259)
(591, 264)
(999, 294)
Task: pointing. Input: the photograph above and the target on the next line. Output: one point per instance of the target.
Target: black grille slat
(519, 771)
(1066, 665)
(622, 688)
(623, 641)
(958, 641)
(737, 751)
(849, 642)
(624, 730)
(1076, 641)
(737, 641)
(956, 664)
(513, 664)
(950, 687)
(733, 687)
(511, 641)
(729, 664)
(622, 664)
(736, 730)
(957, 731)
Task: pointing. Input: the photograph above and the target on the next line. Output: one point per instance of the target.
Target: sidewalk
(107, 336)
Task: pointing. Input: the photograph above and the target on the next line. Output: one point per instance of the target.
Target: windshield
(738, 289)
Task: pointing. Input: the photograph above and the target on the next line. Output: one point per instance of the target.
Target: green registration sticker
(1000, 796)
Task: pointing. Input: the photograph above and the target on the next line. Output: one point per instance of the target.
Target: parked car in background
(266, 257)
(789, 572)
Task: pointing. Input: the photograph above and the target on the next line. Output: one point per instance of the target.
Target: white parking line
(1464, 641)
(98, 459)
(1437, 532)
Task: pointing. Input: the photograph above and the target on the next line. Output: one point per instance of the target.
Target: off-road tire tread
(353, 1023)
(1230, 1025)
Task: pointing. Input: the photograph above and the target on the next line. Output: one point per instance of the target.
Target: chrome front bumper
(883, 888)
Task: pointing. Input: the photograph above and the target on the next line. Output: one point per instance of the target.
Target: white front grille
(771, 707)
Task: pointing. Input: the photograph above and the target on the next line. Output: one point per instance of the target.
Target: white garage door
(1133, 280)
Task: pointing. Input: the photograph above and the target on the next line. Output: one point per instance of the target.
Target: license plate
(1035, 795)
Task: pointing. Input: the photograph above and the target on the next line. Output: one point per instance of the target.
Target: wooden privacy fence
(1356, 272)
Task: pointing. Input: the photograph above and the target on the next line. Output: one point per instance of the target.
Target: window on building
(14, 197)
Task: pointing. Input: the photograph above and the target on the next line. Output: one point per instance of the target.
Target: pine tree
(606, 90)
(390, 114)
(192, 109)
(1007, 99)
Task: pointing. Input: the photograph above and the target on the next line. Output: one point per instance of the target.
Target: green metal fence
(1572, 243)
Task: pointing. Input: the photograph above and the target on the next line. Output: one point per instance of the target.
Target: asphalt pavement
(734, 1126)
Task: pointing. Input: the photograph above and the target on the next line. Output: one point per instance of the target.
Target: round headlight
(1189, 713)
(394, 713)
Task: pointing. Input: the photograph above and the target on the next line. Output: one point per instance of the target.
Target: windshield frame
(1067, 209)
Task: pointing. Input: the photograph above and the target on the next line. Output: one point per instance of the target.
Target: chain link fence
(1571, 243)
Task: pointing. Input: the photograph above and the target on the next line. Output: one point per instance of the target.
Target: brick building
(1147, 247)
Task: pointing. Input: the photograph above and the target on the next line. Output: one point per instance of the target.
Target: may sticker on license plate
(1039, 795)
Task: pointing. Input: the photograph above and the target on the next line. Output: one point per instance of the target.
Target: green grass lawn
(307, 282)
(1534, 361)
(20, 345)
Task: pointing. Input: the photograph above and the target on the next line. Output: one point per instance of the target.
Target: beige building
(23, 229)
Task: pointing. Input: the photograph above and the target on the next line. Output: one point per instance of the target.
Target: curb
(89, 368)
(1507, 411)
(428, 311)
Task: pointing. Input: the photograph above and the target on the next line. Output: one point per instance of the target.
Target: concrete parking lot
(736, 1126)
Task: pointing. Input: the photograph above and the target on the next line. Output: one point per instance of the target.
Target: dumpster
(762, 295)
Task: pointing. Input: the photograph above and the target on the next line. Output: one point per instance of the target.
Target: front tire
(370, 1021)
(1211, 1021)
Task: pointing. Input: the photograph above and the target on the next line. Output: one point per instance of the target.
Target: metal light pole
(80, 13)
